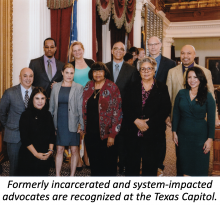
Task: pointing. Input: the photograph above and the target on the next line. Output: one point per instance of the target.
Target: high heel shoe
(88, 167)
(79, 168)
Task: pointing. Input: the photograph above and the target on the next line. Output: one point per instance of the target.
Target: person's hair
(128, 56)
(203, 89)
(68, 65)
(35, 91)
(133, 49)
(118, 42)
(140, 49)
(71, 57)
(154, 37)
(50, 39)
(150, 60)
(99, 66)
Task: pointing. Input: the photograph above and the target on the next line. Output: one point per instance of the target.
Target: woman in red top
(102, 115)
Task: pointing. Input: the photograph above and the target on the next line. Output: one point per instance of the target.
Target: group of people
(120, 110)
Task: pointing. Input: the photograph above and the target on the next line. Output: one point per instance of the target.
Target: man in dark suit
(12, 105)
(47, 69)
(163, 64)
(122, 74)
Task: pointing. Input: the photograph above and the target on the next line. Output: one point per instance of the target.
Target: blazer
(89, 62)
(11, 108)
(156, 109)
(165, 65)
(176, 80)
(126, 76)
(74, 105)
(110, 112)
(40, 75)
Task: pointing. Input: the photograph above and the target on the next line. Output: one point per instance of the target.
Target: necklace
(192, 94)
(96, 93)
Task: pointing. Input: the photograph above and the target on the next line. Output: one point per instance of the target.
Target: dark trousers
(137, 150)
(103, 160)
(121, 150)
(162, 154)
(13, 155)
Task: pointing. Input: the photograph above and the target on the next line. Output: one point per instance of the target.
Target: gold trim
(6, 38)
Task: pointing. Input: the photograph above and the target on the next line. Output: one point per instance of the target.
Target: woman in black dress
(37, 136)
(66, 109)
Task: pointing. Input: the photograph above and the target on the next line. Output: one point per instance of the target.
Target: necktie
(26, 98)
(184, 74)
(116, 72)
(49, 70)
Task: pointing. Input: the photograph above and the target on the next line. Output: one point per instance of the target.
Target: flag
(73, 23)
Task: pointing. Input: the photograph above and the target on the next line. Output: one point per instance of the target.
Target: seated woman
(66, 109)
(37, 136)
(191, 132)
(147, 106)
(102, 115)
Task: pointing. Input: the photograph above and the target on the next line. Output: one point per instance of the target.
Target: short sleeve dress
(189, 122)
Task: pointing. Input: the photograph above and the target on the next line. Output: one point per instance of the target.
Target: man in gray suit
(12, 105)
(47, 69)
(122, 74)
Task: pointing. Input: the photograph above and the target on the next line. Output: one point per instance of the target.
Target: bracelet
(50, 150)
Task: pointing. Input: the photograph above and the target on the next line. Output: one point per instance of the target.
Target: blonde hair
(71, 57)
(68, 65)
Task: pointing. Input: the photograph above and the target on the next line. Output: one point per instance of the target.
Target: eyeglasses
(148, 69)
(154, 44)
(118, 49)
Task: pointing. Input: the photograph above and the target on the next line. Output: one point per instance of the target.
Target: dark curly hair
(203, 89)
(99, 66)
(35, 91)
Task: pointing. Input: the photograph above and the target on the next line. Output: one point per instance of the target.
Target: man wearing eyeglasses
(122, 74)
(163, 64)
(47, 69)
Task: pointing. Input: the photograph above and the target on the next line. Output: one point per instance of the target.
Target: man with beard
(176, 80)
(47, 69)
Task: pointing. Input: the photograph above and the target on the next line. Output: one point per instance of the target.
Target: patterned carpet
(170, 162)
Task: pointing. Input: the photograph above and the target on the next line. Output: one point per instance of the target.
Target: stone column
(137, 24)
(166, 50)
(39, 27)
(84, 26)
(106, 43)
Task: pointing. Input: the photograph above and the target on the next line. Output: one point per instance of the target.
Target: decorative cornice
(193, 29)
(194, 25)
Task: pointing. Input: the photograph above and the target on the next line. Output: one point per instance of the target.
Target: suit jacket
(176, 80)
(74, 105)
(157, 109)
(11, 108)
(40, 75)
(165, 65)
(126, 76)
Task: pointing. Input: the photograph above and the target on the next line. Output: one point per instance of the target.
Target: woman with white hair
(147, 105)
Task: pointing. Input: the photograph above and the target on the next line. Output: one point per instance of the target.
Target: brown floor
(170, 161)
